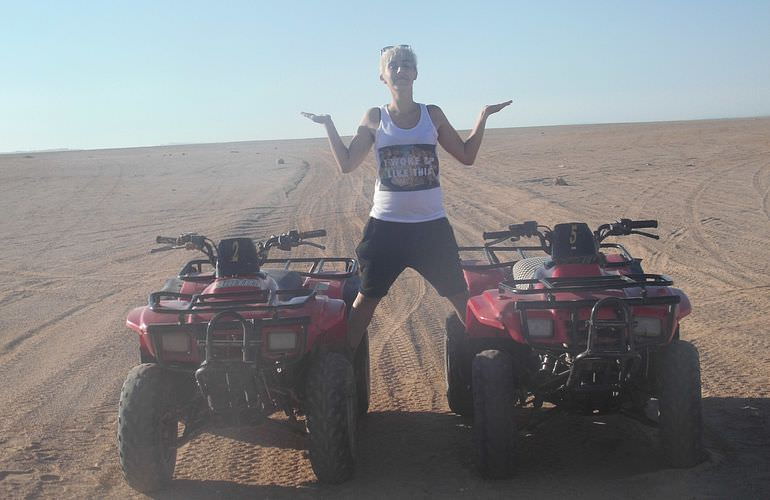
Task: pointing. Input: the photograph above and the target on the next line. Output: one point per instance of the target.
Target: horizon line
(177, 144)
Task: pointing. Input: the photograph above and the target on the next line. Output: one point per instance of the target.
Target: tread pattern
(458, 392)
(146, 396)
(681, 418)
(331, 420)
(493, 426)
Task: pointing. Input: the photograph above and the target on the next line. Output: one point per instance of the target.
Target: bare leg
(459, 302)
(360, 316)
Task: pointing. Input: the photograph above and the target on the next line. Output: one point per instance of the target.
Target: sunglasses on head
(388, 47)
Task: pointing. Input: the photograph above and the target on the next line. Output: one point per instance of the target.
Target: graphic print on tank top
(409, 167)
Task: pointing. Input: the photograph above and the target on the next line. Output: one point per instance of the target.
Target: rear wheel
(493, 427)
(362, 375)
(148, 422)
(458, 392)
(679, 400)
(332, 417)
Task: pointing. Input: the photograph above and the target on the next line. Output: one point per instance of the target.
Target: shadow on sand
(431, 454)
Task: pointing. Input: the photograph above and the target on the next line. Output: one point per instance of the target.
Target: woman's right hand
(322, 119)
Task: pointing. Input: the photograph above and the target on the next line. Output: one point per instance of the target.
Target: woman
(407, 225)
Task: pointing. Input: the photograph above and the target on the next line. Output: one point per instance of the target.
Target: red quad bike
(582, 328)
(235, 338)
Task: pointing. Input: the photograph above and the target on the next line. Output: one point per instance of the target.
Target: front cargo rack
(193, 271)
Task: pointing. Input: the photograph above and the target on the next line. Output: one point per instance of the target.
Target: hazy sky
(112, 74)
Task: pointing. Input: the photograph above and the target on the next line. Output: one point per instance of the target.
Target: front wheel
(679, 399)
(493, 427)
(332, 417)
(148, 421)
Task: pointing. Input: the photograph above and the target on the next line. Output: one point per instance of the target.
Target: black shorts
(429, 248)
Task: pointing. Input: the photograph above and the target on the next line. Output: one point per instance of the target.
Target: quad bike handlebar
(527, 229)
(293, 238)
(625, 227)
(317, 233)
(194, 241)
(190, 241)
(531, 229)
(640, 224)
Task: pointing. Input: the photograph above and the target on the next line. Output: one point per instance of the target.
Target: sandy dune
(77, 227)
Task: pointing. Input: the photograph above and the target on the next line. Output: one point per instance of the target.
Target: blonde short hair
(391, 52)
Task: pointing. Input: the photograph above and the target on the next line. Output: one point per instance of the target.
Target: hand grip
(496, 235)
(640, 224)
(312, 234)
(165, 240)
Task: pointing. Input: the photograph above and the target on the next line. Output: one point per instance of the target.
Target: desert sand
(77, 228)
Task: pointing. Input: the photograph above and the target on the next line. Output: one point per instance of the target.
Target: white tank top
(407, 187)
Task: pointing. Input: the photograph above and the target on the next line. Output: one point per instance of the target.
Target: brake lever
(312, 244)
(499, 240)
(642, 233)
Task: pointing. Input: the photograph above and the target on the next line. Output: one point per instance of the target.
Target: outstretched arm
(464, 151)
(349, 158)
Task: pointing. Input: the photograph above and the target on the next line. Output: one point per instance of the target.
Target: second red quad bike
(235, 338)
(574, 322)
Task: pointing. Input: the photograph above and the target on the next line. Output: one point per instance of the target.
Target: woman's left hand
(491, 109)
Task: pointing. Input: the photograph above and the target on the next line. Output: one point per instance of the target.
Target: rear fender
(479, 280)
(685, 308)
(332, 288)
(135, 322)
(328, 325)
(489, 316)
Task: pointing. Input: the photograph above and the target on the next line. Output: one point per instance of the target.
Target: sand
(77, 228)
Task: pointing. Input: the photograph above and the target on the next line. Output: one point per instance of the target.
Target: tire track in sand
(764, 193)
(734, 275)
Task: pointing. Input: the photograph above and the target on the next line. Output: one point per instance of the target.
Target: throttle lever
(642, 233)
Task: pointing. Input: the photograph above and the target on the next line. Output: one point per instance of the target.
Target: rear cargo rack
(317, 264)
(240, 301)
(490, 252)
(587, 283)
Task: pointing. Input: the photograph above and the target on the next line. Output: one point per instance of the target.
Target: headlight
(281, 341)
(540, 327)
(175, 342)
(646, 327)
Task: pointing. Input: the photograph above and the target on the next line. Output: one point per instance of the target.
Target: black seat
(285, 279)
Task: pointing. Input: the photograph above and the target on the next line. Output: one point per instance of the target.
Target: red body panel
(492, 313)
(329, 287)
(570, 271)
(480, 280)
(326, 310)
